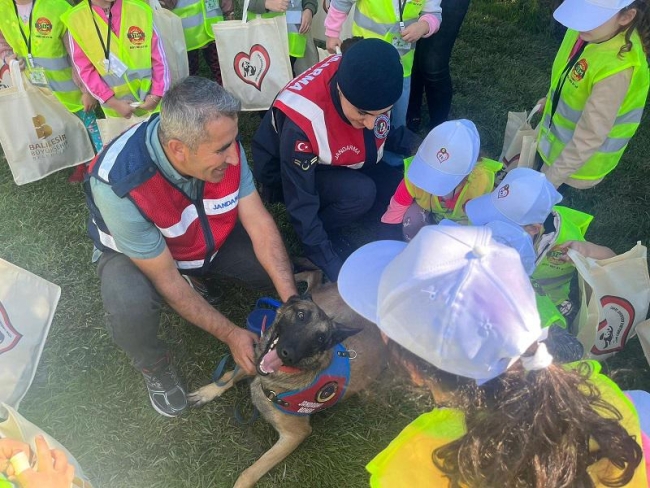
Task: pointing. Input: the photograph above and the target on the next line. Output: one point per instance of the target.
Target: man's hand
(276, 5)
(89, 102)
(415, 31)
(332, 43)
(242, 347)
(305, 25)
(122, 107)
(52, 469)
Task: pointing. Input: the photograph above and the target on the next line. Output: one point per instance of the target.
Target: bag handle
(244, 15)
(533, 112)
(155, 4)
(16, 75)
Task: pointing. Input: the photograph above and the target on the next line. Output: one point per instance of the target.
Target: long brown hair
(533, 429)
(641, 23)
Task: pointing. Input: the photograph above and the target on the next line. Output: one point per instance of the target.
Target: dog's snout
(286, 356)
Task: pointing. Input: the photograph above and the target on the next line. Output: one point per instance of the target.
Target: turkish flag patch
(303, 147)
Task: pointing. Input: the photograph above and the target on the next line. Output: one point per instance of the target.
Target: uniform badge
(302, 147)
(579, 70)
(327, 392)
(306, 164)
(382, 126)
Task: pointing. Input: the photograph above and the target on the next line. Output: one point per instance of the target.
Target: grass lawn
(88, 396)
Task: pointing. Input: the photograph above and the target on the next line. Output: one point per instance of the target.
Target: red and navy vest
(194, 230)
(307, 101)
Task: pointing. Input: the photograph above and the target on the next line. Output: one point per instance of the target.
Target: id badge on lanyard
(211, 5)
(114, 65)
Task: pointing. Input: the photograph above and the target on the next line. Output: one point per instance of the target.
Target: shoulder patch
(302, 147)
(306, 164)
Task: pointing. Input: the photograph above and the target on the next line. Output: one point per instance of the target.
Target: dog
(308, 335)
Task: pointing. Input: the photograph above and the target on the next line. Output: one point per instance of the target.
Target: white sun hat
(585, 15)
(453, 296)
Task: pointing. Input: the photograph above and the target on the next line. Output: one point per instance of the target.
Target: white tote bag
(519, 140)
(15, 426)
(255, 58)
(27, 304)
(170, 29)
(112, 127)
(615, 294)
(38, 134)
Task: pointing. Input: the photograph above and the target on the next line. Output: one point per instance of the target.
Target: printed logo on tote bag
(5, 77)
(9, 336)
(50, 146)
(613, 331)
(251, 68)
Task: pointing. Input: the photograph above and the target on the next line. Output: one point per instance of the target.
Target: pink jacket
(160, 78)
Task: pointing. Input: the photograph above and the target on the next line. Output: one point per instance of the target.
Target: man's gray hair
(189, 105)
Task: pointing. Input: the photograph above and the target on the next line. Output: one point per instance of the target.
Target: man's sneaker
(341, 245)
(206, 288)
(166, 392)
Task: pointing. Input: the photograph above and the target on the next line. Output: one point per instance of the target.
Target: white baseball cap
(585, 15)
(524, 197)
(453, 296)
(511, 235)
(445, 157)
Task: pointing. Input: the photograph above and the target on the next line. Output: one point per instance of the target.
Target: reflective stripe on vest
(479, 182)
(297, 41)
(197, 22)
(597, 62)
(379, 19)
(48, 50)
(132, 46)
(553, 274)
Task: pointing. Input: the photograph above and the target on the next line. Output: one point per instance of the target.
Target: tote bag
(254, 56)
(170, 29)
(15, 426)
(27, 305)
(112, 127)
(615, 294)
(40, 136)
(519, 140)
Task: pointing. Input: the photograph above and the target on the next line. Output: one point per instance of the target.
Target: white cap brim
(481, 211)
(430, 179)
(359, 277)
(582, 16)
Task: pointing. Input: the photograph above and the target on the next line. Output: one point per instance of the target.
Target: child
(457, 308)
(400, 26)
(599, 85)
(123, 67)
(527, 199)
(440, 179)
(34, 34)
(299, 15)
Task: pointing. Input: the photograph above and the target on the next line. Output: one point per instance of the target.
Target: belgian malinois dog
(292, 352)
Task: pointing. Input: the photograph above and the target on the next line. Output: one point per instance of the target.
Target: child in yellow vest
(439, 180)
(34, 34)
(599, 85)
(456, 307)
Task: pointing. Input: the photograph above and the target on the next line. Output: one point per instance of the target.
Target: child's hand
(122, 107)
(21, 61)
(587, 249)
(276, 5)
(305, 25)
(52, 469)
(541, 103)
(415, 31)
(150, 103)
(8, 449)
(332, 43)
(88, 102)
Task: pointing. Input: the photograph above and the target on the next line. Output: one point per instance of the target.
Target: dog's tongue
(271, 362)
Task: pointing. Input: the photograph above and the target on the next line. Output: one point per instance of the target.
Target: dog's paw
(203, 395)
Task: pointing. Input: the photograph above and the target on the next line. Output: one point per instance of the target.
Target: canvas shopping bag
(15, 426)
(112, 127)
(27, 304)
(615, 294)
(517, 128)
(40, 136)
(170, 29)
(258, 52)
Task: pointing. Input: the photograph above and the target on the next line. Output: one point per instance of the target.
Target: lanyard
(27, 39)
(106, 47)
(562, 80)
(402, 5)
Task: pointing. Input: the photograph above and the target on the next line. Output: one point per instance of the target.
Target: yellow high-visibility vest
(197, 21)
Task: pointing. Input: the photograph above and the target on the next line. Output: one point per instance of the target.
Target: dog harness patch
(324, 392)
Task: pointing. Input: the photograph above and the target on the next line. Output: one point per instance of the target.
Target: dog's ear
(306, 296)
(342, 332)
(293, 299)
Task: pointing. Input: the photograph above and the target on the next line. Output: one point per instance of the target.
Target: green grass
(88, 396)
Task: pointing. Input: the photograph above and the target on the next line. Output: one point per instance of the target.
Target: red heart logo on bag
(252, 67)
